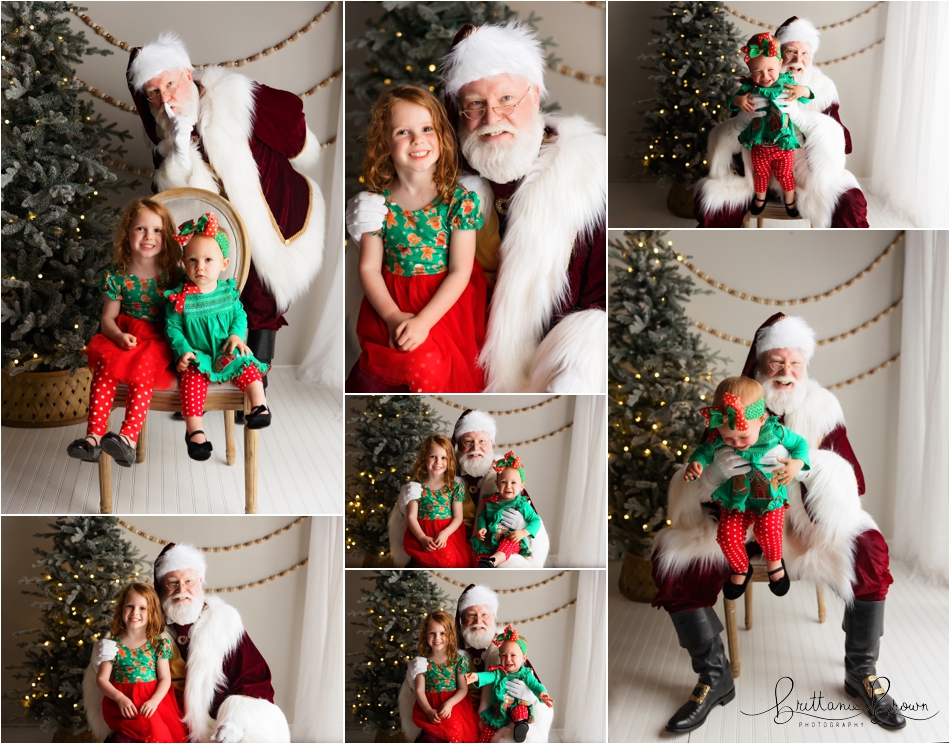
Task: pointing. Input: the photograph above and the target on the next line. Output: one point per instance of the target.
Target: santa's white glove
(512, 519)
(761, 104)
(182, 126)
(516, 688)
(228, 732)
(416, 667)
(104, 650)
(365, 213)
(724, 466)
(769, 461)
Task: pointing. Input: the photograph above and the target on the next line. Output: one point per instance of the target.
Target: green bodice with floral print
(438, 504)
(133, 665)
(140, 298)
(417, 242)
(443, 677)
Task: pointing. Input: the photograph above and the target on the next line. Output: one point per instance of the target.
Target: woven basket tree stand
(636, 581)
(43, 399)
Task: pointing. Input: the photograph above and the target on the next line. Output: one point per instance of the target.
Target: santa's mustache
(180, 595)
(496, 128)
(782, 379)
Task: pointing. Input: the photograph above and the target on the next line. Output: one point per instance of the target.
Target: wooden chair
(771, 212)
(759, 574)
(185, 204)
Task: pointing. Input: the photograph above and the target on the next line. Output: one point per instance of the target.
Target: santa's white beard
(505, 160)
(782, 400)
(472, 464)
(478, 636)
(189, 108)
(183, 613)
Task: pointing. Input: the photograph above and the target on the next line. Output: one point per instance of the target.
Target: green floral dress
(496, 714)
(434, 515)
(140, 298)
(442, 684)
(490, 518)
(133, 665)
(443, 677)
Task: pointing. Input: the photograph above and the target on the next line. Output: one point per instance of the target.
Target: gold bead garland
(878, 368)
(801, 301)
(850, 56)
(538, 617)
(226, 548)
(501, 591)
(322, 84)
(498, 413)
(754, 22)
(258, 583)
(582, 76)
(536, 439)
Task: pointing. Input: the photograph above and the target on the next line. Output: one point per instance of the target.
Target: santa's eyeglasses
(476, 112)
(156, 95)
(174, 585)
(777, 366)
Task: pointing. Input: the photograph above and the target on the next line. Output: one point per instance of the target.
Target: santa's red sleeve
(832, 111)
(247, 675)
(837, 441)
(587, 273)
(279, 120)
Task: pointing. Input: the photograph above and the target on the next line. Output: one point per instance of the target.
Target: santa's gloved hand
(512, 519)
(365, 213)
(761, 103)
(228, 732)
(416, 667)
(724, 466)
(182, 126)
(516, 688)
(769, 461)
(104, 650)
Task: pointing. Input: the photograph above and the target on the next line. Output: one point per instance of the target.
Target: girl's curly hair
(444, 619)
(156, 618)
(169, 259)
(419, 470)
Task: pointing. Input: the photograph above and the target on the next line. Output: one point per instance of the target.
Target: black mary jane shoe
(487, 562)
(118, 449)
(734, 591)
(83, 449)
(758, 209)
(521, 731)
(200, 451)
(780, 587)
(258, 418)
(792, 209)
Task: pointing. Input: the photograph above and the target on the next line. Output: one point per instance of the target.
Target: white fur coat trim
(817, 415)
(562, 197)
(572, 358)
(260, 720)
(286, 264)
(824, 90)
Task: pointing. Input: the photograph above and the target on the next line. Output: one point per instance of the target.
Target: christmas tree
(660, 375)
(81, 578)
(696, 70)
(57, 231)
(388, 434)
(391, 620)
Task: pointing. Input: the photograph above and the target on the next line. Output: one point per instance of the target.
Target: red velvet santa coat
(826, 193)
(249, 143)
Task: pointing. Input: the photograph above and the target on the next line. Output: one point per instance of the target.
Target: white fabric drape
(923, 491)
(318, 713)
(910, 147)
(324, 361)
(583, 539)
(585, 717)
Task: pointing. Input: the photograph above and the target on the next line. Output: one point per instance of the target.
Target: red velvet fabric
(872, 573)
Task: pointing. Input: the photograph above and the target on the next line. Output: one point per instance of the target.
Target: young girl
(738, 420)
(206, 325)
(139, 704)
(442, 708)
(433, 536)
(131, 345)
(491, 539)
(422, 322)
(771, 138)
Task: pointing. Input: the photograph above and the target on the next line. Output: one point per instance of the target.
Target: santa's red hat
(473, 420)
(176, 557)
(167, 52)
(781, 331)
(798, 29)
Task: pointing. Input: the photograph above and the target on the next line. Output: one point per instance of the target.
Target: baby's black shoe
(198, 451)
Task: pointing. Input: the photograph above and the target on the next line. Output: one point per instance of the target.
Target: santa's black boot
(698, 632)
(261, 344)
(863, 626)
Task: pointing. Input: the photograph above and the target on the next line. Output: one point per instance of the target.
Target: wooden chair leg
(250, 470)
(748, 607)
(140, 444)
(745, 220)
(760, 221)
(732, 634)
(105, 484)
(229, 437)
(821, 603)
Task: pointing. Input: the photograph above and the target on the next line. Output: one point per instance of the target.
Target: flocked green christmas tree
(385, 442)
(390, 615)
(695, 66)
(57, 230)
(80, 578)
(660, 375)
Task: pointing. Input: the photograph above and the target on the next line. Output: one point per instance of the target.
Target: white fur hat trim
(479, 595)
(791, 332)
(801, 30)
(179, 558)
(167, 52)
(492, 50)
(476, 421)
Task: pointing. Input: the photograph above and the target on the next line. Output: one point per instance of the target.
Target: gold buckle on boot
(701, 698)
(872, 687)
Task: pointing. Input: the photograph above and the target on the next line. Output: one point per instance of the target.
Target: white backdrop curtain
(324, 361)
(585, 717)
(583, 539)
(318, 713)
(910, 147)
(923, 491)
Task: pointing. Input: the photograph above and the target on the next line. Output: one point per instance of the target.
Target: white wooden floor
(300, 463)
(650, 676)
(640, 205)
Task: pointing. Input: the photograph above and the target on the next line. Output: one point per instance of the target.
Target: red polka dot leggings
(193, 388)
(487, 733)
(517, 713)
(769, 158)
(768, 530)
(101, 394)
(509, 547)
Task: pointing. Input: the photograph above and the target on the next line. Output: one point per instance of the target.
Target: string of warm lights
(801, 301)
(760, 24)
(223, 549)
(497, 413)
(538, 617)
(878, 368)
(501, 591)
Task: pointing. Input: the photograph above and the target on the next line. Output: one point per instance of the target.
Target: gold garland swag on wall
(500, 591)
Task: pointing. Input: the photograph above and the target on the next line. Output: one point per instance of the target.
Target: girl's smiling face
(135, 611)
(204, 262)
(435, 636)
(413, 142)
(437, 460)
(764, 71)
(145, 235)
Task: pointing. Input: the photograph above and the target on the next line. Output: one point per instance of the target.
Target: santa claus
(474, 437)
(542, 184)
(827, 193)
(476, 627)
(220, 679)
(828, 539)
(217, 130)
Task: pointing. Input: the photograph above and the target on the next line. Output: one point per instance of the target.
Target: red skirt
(457, 553)
(164, 725)
(148, 362)
(447, 361)
(460, 726)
